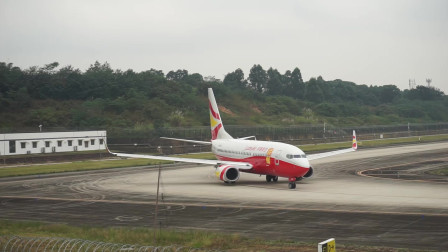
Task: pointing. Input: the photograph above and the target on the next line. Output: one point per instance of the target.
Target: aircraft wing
(328, 154)
(337, 152)
(238, 165)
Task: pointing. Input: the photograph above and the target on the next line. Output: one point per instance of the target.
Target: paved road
(336, 202)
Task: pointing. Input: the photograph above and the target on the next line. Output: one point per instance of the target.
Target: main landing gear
(292, 183)
(270, 178)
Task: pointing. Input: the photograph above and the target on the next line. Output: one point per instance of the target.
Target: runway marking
(125, 218)
(361, 173)
(227, 206)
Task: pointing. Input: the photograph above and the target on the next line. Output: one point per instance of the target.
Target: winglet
(355, 143)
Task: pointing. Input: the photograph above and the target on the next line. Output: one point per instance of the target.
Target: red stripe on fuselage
(283, 169)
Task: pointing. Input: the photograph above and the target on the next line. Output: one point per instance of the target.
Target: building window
(70, 142)
(23, 145)
(80, 142)
(86, 144)
(12, 146)
(59, 143)
(47, 144)
(92, 141)
(34, 145)
(101, 141)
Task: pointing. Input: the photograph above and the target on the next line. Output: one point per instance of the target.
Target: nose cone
(305, 163)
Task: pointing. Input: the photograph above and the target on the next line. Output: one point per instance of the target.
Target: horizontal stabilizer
(244, 138)
(187, 140)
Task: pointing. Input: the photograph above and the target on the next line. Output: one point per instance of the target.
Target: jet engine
(309, 173)
(227, 173)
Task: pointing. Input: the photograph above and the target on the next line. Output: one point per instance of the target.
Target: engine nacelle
(309, 173)
(227, 173)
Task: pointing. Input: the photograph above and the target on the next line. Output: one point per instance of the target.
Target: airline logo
(268, 156)
(215, 122)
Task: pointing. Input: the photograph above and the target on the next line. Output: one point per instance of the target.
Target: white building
(50, 142)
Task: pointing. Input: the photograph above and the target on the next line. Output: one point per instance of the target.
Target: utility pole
(157, 206)
(325, 139)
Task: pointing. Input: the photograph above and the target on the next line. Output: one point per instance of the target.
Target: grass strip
(440, 172)
(76, 166)
(188, 238)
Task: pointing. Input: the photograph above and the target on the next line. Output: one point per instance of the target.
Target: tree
(313, 92)
(100, 82)
(258, 78)
(388, 93)
(235, 79)
(10, 77)
(274, 84)
(49, 68)
(177, 76)
(296, 77)
(425, 93)
(294, 84)
(194, 79)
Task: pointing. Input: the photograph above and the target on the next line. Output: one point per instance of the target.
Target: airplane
(273, 159)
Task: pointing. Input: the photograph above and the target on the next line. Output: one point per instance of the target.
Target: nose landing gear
(292, 183)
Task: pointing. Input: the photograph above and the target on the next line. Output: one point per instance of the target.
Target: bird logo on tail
(215, 122)
(216, 125)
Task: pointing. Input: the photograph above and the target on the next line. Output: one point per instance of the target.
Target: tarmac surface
(380, 197)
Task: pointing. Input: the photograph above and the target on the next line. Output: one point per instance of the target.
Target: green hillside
(109, 98)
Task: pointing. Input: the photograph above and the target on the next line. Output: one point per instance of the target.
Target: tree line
(106, 97)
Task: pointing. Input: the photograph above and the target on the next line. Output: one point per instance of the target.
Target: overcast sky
(374, 42)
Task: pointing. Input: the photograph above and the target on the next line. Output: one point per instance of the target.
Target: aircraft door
(278, 155)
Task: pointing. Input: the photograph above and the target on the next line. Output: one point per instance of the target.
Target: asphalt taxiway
(397, 207)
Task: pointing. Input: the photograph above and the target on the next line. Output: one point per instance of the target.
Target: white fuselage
(270, 158)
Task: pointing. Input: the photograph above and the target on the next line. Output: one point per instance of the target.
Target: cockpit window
(291, 156)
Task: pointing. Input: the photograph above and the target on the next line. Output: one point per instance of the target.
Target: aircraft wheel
(292, 185)
(275, 178)
(268, 178)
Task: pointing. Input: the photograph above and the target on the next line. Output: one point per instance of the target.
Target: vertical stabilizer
(216, 125)
(355, 143)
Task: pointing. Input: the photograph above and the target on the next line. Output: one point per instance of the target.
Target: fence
(37, 244)
(149, 141)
